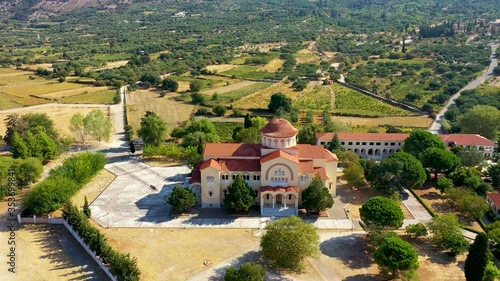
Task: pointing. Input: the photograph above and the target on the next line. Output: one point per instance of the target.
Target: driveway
(130, 201)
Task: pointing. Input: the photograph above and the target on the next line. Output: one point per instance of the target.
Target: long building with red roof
(381, 145)
(278, 169)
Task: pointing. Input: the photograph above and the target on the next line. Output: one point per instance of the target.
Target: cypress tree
(335, 143)
(86, 208)
(248, 121)
(477, 259)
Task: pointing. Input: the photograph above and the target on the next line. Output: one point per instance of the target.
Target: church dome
(279, 128)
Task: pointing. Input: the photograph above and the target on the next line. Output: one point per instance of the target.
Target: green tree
(491, 272)
(170, 85)
(420, 140)
(467, 202)
(247, 272)
(86, 209)
(98, 125)
(470, 156)
(78, 127)
(443, 184)
(248, 121)
(281, 252)
(280, 100)
(29, 122)
(196, 138)
(348, 158)
(467, 177)
(259, 122)
(153, 129)
(494, 173)
(19, 147)
(395, 255)
(307, 134)
(416, 230)
(195, 86)
(335, 144)
(240, 196)
(182, 199)
(447, 234)
(399, 171)
(477, 259)
(247, 135)
(316, 197)
(220, 110)
(27, 171)
(439, 160)
(483, 120)
(355, 175)
(381, 213)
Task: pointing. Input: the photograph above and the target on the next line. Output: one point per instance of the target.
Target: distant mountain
(39, 9)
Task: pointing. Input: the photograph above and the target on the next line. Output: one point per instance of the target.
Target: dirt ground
(229, 88)
(93, 188)
(45, 252)
(354, 199)
(272, 66)
(60, 115)
(435, 200)
(221, 67)
(173, 112)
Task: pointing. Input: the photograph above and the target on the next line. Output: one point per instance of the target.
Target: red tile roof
(279, 188)
(249, 165)
(223, 150)
(279, 154)
(330, 157)
(311, 151)
(346, 136)
(306, 167)
(495, 197)
(467, 139)
(280, 128)
(459, 139)
(196, 174)
(322, 173)
(210, 163)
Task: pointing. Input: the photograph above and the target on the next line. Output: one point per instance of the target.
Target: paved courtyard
(130, 201)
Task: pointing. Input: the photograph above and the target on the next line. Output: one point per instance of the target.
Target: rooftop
(279, 128)
(495, 197)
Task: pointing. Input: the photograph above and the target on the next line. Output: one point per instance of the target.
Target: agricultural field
(247, 71)
(218, 68)
(398, 121)
(272, 66)
(99, 97)
(263, 47)
(229, 88)
(207, 82)
(108, 65)
(225, 130)
(172, 111)
(22, 88)
(59, 114)
(307, 56)
(247, 89)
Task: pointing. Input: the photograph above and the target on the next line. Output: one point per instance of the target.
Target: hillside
(39, 9)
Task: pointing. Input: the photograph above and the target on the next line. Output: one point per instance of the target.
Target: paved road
(436, 125)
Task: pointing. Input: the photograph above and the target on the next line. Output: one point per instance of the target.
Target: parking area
(137, 197)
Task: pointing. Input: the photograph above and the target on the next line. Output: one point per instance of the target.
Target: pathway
(436, 125)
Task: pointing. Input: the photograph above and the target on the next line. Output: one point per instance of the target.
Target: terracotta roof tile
(222, 150)
(279, 127)
(346, 136)
(322, 173)
(277, 154)
(306, 167)
(250, 165)
(330, 157)
(495, 197)
(467, 139)
(279, 188)
(210, 163)
(310, 151)
(196, 174)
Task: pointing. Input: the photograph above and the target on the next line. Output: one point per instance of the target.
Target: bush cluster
(62, 183)
(121, 265)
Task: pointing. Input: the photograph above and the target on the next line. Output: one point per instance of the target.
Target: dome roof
(279, 128)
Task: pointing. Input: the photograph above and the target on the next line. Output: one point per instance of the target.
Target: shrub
(248, 271)
(416, 230)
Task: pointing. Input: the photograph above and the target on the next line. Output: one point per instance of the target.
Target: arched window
(234, 176)
(256, 177)
(210, 179)
(246, 177)
(304, 178)
(224, 177)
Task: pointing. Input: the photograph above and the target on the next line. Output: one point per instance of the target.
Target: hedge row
(121, 265)
(62, 183)
(172, 151)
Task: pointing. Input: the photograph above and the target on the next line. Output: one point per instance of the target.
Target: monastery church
(278, 170)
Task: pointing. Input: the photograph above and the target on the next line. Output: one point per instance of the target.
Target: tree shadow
(353, 250)
(364, 277)
(425, 248)
(57, 244)
(252, 256)
(158, 210)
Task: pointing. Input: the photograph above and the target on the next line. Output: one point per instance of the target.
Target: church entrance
(279, 198)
